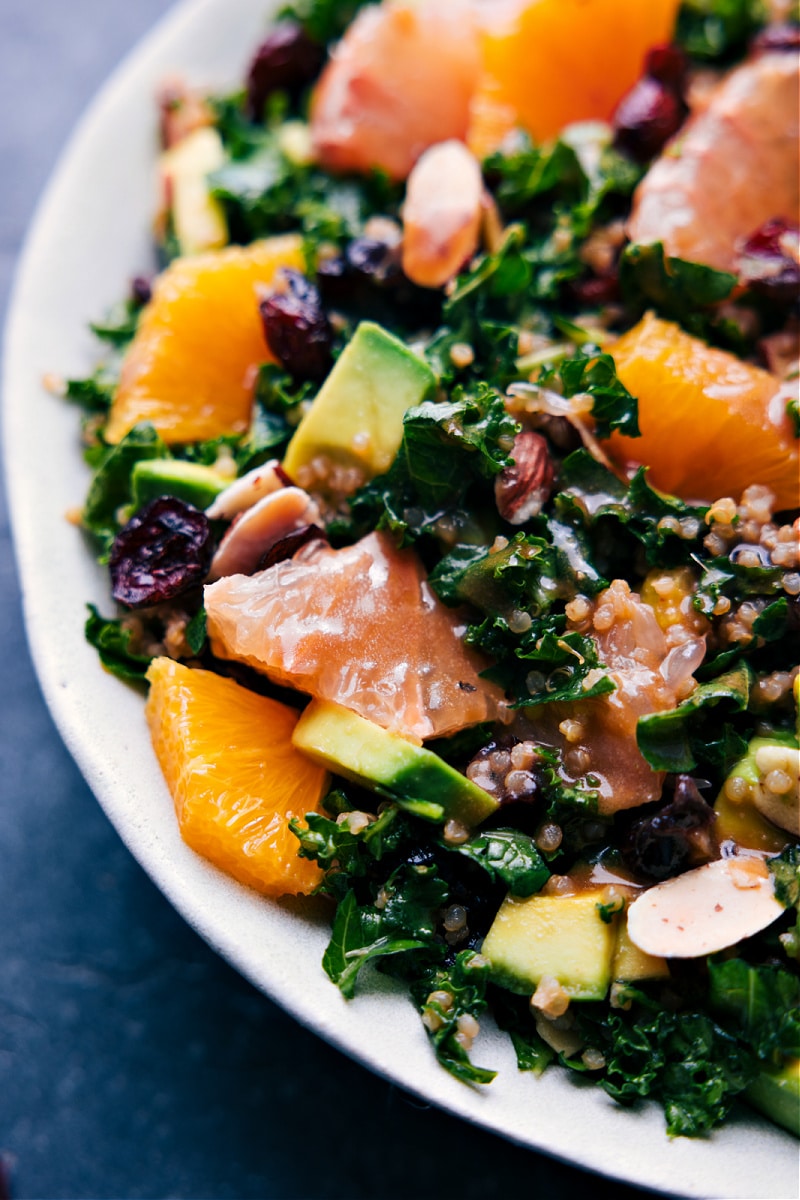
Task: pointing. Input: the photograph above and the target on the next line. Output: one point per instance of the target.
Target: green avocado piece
(188, 481)
(563, 937)
(748, 811)
(416, 778)
(356, 420)
(777, 1094)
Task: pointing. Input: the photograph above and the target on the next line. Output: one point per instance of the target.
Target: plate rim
(698, 1172)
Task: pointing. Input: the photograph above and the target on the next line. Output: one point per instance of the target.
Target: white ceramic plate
(91, 234)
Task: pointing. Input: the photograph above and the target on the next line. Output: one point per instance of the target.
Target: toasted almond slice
(442, 214)
(705, 910)
(260, 527)
(245, 492)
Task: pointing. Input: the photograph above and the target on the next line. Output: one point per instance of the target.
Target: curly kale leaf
(506, 855)
(265, 192)
(110, 489)
(114, 641)
(447, 449)
(760, 1004)
(675, 740)
(513, 1015)
(344, 856)
(786, 869)
(545, 664)
(464, 982)
(718, 30)
(595, 374)
(725, 576)
(357, 937)
(323, 20)
(669, 530)
(684, 1060)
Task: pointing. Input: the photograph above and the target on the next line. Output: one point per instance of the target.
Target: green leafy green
(120, 323)
(683, 1059)
(323, 20)
(95, 392)
(115, 642)
(762, 1004)
(595, 373)
(464, 983)
(718, 29)
(506, 855)
(786, 869)
(110, 488)
(674, 286)
(513, 1015)
(355, 941)
(673, 740)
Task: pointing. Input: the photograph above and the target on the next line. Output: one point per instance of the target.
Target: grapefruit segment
(189, 369)
(399, 81)
(711, 424)
(359, 626)
(734, 165)
(234, 775)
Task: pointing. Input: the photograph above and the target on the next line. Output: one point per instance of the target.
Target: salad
(446, 473)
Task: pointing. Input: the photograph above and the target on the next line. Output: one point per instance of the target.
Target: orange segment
(711, 424)
(360, 626)
(189, 369)
(235, 777)
(557, 61)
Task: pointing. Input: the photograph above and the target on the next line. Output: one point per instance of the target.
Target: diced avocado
(188, 481)
(356, 420)
(563, 937)
(749, 811)
(363, 752)
(631, 964)
(777, 1095)
(198, 218)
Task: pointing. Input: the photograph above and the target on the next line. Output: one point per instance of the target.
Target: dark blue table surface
(134, 1062)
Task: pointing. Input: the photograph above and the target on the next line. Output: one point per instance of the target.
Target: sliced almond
(442, 215)
(245, 492)
(705, 910)
(253, 533)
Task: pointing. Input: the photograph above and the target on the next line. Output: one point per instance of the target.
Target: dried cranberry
(374, 259)
(677, 836)
(289, 545)
(286, 61)
(368, 280)
(596, 290)
(782, 36)
(297, 329)
(141, 290)
(768, 263)
(163, 551)
(669, 65)
(647, 117)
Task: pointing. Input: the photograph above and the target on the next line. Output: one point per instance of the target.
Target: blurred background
(135, 1063)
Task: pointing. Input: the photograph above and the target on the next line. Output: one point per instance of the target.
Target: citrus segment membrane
(360, 626)
(190, 368)
(234, 775)
(711, 424)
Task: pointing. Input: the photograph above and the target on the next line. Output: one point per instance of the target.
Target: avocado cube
(748, 812)
(154, 477)
(356, 419)
(630, 964)
(198, 218)
(365, 753)
(777, 1094)
(563, 937)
